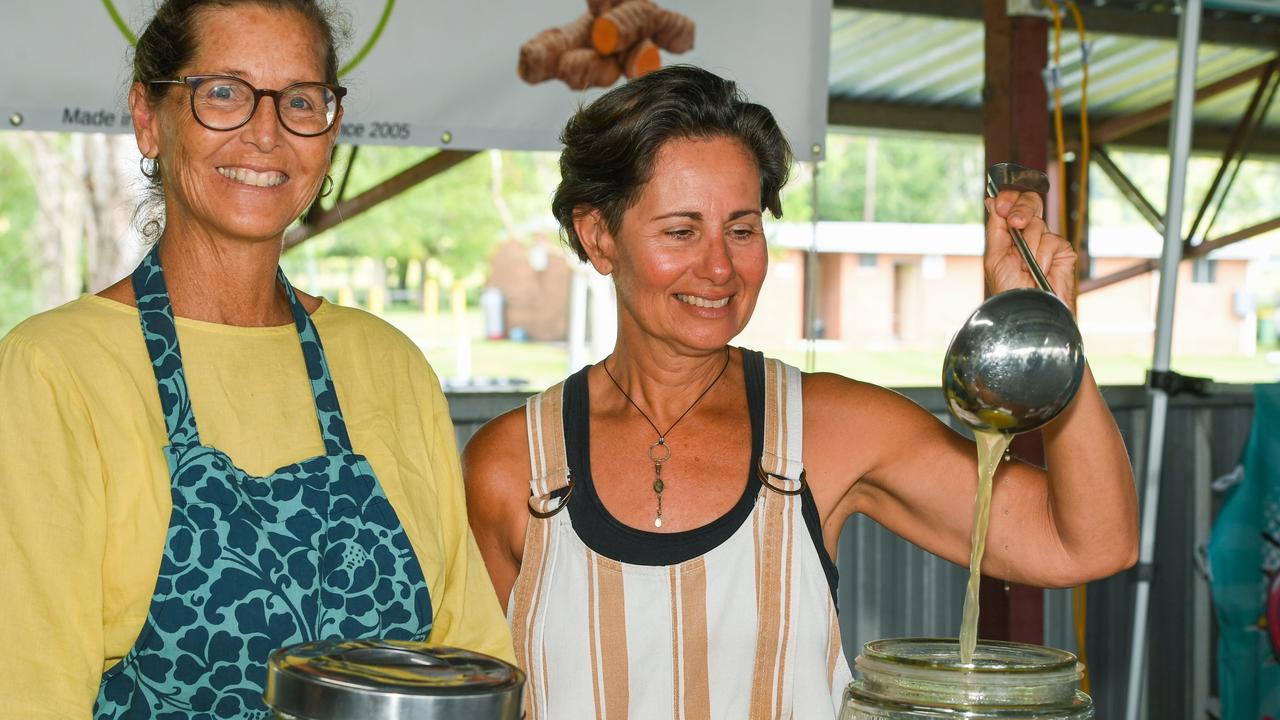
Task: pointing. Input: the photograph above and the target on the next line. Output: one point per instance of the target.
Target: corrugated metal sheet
(925, 61)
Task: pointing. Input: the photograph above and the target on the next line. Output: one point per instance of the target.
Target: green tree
(455, 218)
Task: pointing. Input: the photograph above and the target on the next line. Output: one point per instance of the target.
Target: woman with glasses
(201, 464)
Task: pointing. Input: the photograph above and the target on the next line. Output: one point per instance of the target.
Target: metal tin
(386, 679)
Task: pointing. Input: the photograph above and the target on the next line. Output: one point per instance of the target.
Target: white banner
(437, 73)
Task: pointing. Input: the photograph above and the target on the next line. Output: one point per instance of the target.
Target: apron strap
(778, 525)
(548, 462)
(159, 331)
(333, 428)
(781, 461)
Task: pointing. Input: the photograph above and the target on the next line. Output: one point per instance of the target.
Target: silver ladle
(1018, 360)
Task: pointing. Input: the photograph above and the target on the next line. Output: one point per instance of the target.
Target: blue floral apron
(312, 551)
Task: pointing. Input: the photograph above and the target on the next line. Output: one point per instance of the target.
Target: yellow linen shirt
(84, 487)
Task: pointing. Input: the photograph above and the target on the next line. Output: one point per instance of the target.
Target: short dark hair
(610, 145)
(167, 45)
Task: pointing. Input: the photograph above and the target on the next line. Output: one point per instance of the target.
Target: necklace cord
(658, 485)
(662, 436)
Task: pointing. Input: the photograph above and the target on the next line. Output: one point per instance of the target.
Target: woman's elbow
(1105, 558)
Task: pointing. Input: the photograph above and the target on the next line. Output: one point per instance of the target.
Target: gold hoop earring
(326, 187)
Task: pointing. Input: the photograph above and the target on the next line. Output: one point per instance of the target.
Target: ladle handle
(1021, 244)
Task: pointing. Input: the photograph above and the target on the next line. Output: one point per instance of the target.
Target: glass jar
(910, 678)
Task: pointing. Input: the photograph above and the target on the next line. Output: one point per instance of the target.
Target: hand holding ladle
(1019, 359)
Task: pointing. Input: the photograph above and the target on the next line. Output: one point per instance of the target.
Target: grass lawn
(538, 365)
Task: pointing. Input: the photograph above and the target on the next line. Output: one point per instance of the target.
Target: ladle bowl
(1015, 363)
(1019, 359)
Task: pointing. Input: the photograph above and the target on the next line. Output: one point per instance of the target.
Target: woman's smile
(256, 178)
(703, 302)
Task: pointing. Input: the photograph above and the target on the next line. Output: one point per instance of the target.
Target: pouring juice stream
(991, 447)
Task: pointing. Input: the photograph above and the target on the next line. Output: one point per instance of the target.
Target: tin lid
(375, 679)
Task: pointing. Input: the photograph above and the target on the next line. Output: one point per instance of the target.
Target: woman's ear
(146, 121)
(597, 241)
(336, 131)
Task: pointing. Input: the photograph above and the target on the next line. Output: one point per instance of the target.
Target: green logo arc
(350, 65)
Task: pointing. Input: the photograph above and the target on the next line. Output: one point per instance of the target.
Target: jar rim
(992, 656)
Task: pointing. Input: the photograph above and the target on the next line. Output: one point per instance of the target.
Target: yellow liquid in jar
(991, 446)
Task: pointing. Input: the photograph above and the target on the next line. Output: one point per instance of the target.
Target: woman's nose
(263, 128)
(716, 263)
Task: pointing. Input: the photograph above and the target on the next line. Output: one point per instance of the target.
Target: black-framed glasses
(223, 102)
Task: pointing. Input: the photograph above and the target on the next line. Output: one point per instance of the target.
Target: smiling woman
(662, 525)
(317, 496)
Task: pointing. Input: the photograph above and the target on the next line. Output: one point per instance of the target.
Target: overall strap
(333, 428)
(777, 585)
(548, 466)
(160, 332)
(781, 462)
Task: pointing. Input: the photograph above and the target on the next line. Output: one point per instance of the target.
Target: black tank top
(606, 535)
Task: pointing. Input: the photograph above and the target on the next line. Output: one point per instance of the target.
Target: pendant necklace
(660, 451)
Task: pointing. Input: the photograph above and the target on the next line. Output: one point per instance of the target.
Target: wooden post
(1015, 128)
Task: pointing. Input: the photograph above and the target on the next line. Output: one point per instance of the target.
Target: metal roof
(918, 65)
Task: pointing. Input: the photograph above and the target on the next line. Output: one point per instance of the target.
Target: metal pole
(1158, 398)
(811, 270)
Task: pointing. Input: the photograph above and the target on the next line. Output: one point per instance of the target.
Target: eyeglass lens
(226, 103)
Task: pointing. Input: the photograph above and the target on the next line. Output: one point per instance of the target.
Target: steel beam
(1188, 251)
(1234, 156)
(1095, 283)
(383, 191)
(1127, 188)
(960, 119)
(1208, 246)
(1116, 128)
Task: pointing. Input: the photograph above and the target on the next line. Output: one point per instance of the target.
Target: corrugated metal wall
(890, 588)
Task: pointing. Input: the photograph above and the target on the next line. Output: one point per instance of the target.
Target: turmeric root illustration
(613, 38)
(643, 57)
(599, 7)
(671, 31)
(540, 57)
(582, 68)
(622, 27)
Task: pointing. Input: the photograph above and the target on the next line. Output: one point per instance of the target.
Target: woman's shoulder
(500, 448)
(495, 462)
(71, 332)
(500, 440)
